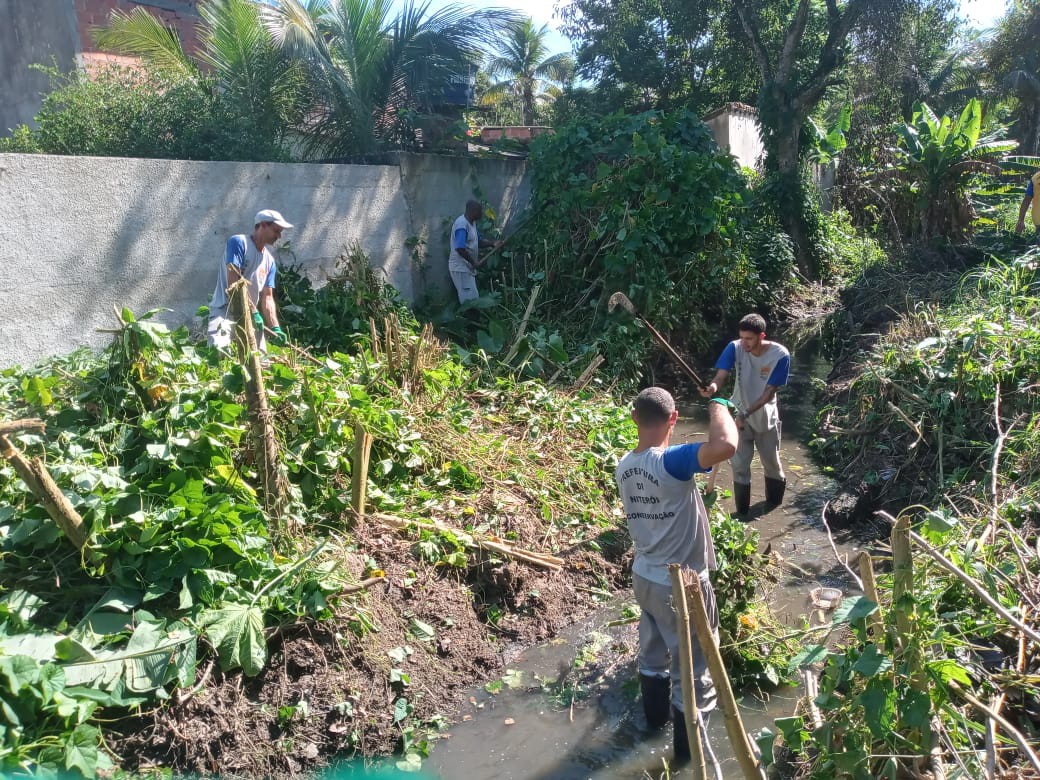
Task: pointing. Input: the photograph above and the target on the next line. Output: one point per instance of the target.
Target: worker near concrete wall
(466, 243)
(668, 523)
(249, 257)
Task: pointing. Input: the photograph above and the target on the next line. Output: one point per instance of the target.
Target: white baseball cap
(270, 215)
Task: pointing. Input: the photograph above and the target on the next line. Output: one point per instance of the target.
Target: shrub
(130, 112)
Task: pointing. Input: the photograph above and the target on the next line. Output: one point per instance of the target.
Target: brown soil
(339, 683)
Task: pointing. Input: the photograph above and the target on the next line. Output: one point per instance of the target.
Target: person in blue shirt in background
(1031, 197)
(762, 367)
(464, 258)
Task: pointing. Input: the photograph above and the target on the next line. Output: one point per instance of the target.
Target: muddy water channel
(552, 718)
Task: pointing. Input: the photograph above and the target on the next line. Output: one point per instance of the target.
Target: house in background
(58, 32)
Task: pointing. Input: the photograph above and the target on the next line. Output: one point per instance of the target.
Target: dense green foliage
(149, 442)
(121, 112)
(645, 205)
(941, 414)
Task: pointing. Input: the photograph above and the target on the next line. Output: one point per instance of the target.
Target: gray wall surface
(37, 31)
(82, 234)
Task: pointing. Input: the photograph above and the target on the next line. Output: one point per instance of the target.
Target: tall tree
(373, 71)
(524, 66)
(1013, 60)
(661, 54)
(236, 53)
(795, 74)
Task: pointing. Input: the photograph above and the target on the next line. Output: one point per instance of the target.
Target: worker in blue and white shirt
(464, 259)
(762, 367)
(249, 257)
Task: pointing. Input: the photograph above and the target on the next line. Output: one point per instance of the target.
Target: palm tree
(237, 58)
(525, 64)
(372, 74)
(1015, 64)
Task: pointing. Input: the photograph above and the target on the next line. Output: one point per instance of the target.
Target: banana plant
(939, 160)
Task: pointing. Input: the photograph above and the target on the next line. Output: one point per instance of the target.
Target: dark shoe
(775, 491)
(741, 498)
(680, 739)
(657, 694)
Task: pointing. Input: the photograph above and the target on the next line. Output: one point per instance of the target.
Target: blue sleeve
(271, 276)
(728, 359)
(780, 371)
(682, 461)
(235, 252)
(1029, 189)
(460, 238)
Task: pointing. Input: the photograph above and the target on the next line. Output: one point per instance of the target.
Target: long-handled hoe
(622, 300)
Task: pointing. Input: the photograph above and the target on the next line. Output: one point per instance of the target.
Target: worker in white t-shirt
(464, 259)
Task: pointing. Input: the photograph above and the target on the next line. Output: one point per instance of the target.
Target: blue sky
(981, 13)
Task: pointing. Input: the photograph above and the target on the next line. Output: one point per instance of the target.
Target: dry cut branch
(39, 481)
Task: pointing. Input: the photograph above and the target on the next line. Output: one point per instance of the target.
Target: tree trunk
(794, 205)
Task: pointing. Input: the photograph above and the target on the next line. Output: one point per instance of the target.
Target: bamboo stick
(875, 623)
(742, 749)
(265, 441)
(903, 586)
(689, 697)
(470, 539)
(359, 469)
(1011, 731)
(40, 483)
(363, 585)
(30, 424)
(523, 324)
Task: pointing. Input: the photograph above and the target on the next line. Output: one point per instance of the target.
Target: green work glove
(278, 335)
(258, 321)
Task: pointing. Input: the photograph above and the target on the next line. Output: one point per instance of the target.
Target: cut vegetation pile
(940, 680)
(203, 628)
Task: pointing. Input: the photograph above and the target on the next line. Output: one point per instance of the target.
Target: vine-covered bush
(646, 205)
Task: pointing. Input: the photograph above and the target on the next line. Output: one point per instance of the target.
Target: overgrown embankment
(203, 628)
(940, 416)
(243, 629)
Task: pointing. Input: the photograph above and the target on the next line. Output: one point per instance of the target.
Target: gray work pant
(659, 640)
(768, 445)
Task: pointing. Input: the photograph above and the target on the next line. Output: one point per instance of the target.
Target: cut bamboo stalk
(471, 539)
(908, 646)
(40, 483)
(875, 623)
(26, 425)
(689, 697)
(265, 442)
(359, 470)
(588, 373)
(1011, 731)
(363, 585)
(750, 766)
(523, 324)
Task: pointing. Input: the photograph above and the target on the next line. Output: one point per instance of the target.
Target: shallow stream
(529, 730)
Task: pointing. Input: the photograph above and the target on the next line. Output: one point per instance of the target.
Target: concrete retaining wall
(81, 235)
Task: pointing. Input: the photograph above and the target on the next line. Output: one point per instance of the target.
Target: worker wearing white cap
(249, 257)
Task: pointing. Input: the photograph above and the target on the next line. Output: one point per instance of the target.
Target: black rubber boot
(657, 694)
(680, 739)
(741, 498)
(775, 491)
